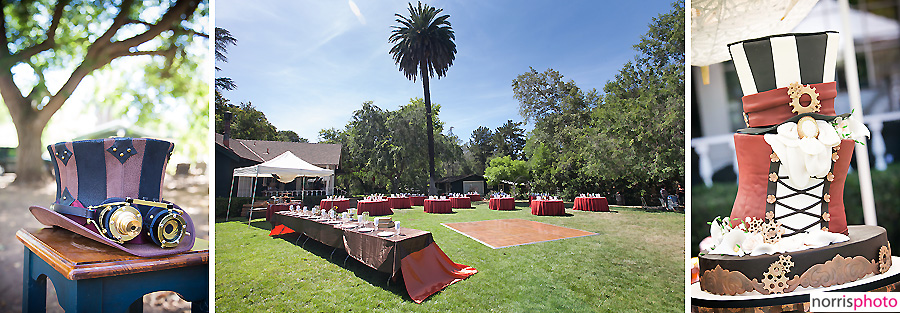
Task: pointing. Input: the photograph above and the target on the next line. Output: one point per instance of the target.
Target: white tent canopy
(286, 168)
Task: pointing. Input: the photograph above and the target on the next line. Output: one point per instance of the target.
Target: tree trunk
(432, 190)
(30, 169)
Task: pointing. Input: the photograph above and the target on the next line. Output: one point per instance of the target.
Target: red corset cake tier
(787, 228)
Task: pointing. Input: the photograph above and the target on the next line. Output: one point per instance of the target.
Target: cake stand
(702, 301)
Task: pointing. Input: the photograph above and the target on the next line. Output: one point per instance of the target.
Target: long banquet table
(340, 206)
(424, 266)
(272, 208)
(375, 208)
(595, 204)
(503, 204)
(548, 207)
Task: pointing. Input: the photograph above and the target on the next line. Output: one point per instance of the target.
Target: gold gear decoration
(796, 90)
(774, 280)
(884, 259)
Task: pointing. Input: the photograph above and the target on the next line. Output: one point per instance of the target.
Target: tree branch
(48, 43)
(103, 51)
(168, 20)
(185, 30)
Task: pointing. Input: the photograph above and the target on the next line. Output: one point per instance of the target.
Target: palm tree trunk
(432, 190)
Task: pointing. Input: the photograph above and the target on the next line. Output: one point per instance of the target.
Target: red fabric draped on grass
(429, 270)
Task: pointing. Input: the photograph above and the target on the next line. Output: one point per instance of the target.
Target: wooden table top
(77, 257)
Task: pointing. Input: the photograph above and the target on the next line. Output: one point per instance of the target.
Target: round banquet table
(340, 206)
(416, 200)
(375, 208)
(438, 206)
(547, 207)
(503, 204)
(398, 202)
(591, 204)
(474, 197)
(276, 208)
(461, 203)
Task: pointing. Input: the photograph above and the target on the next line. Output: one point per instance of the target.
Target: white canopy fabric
(826, 15)
(286, 168)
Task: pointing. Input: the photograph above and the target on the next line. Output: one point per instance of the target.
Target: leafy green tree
(424, 47)
(643, 111)
(631, 137)
(506, 169)
(223, 40)
(482, 146)
(509, 139)
(249, 123)
(384, 151)
(79, 38)
(289, 135)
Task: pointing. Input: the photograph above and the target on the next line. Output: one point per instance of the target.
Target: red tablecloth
(504, 204)
(340, 206)
(375, 208)
(474, 197)
(398, 202)
(591, 204)
(438, 206)
(275, 208)
(416, 200)
(547, 207)
(461, 203)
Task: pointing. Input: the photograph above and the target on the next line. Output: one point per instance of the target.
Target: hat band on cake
(774, 106)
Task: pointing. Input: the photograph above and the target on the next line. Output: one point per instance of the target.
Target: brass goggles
(122, 221)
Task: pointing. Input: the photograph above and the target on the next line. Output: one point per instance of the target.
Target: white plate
(333, 222)
(386, 234)
(348, 225)
(365, 229)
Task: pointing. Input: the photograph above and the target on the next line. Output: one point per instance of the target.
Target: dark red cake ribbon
(772, 107)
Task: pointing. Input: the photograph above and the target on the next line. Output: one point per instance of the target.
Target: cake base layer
(867, 252)
(887, 282)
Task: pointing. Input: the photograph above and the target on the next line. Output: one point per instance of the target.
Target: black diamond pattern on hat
(122, 149)
(63, 153)
(66, 199)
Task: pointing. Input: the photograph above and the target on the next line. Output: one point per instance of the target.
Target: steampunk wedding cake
(787, 229)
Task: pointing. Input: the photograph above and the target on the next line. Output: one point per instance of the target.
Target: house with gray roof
(236, 153)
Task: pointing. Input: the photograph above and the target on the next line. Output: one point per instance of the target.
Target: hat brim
(52, 218)
(768, 129)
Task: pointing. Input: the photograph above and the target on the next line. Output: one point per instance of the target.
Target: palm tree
(423, 46)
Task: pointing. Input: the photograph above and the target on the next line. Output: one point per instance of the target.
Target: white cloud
(355, 9)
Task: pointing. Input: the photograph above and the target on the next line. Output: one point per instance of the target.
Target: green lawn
(635, 264)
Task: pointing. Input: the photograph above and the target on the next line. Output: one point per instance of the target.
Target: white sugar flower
(806, 156)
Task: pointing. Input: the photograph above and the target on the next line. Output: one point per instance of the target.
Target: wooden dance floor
(513, 232)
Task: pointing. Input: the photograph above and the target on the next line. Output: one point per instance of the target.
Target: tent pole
(253, 197)
(228, 208)
(863, 168)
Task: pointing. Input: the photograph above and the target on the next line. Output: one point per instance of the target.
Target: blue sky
(309, 64)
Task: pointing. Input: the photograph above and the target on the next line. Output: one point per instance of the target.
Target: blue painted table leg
(34, 293)
(110, 294)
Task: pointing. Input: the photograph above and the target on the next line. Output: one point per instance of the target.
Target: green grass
(635, 264)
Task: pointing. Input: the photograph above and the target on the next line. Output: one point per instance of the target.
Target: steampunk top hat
(794, 157)
(786, 75)
(110, 190)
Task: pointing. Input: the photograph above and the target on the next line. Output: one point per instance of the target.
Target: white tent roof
(286, 166)
(826, 15)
